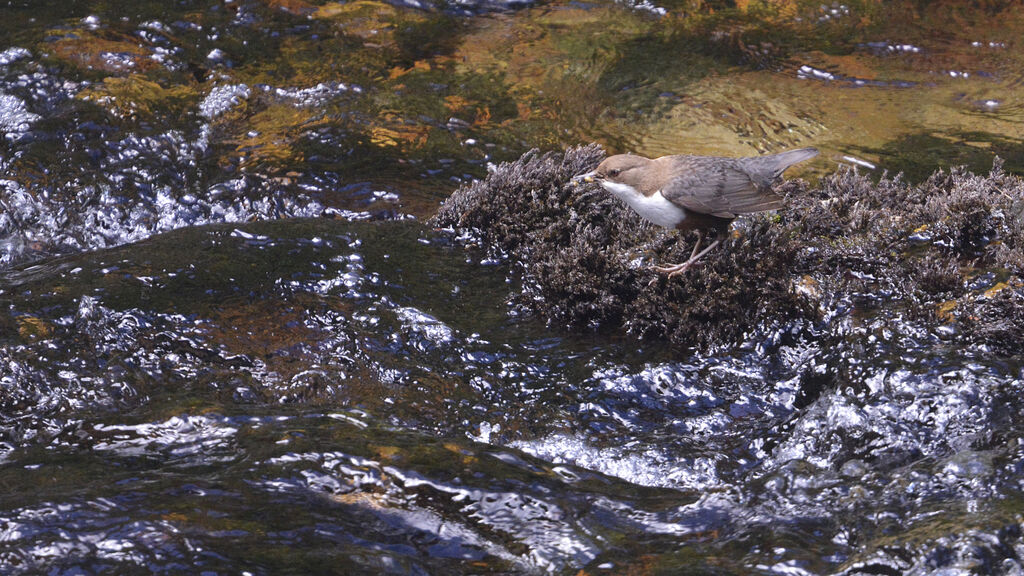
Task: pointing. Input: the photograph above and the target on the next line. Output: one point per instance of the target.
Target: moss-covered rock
(932, 250)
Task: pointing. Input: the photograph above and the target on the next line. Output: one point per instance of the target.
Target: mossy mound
(949, 251)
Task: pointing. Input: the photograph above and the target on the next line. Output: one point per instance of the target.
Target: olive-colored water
(228, 345)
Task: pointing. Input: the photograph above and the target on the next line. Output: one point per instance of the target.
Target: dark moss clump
(586, 257)
(934, 250)
(945, 252)
(997, 322)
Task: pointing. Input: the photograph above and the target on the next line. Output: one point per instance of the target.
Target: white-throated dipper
(695, 192)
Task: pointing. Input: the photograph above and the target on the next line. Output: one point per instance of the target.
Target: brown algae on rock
(925, 253)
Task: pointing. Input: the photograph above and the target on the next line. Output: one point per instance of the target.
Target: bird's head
(620, 174)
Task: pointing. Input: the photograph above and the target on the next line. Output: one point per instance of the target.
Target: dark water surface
(230, 346)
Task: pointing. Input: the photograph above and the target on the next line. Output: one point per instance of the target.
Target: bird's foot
(676, 269)
(671, 270)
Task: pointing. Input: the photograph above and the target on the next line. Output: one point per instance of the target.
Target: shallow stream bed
(230, 342)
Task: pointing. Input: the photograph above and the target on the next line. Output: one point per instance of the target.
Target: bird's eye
(614, 172)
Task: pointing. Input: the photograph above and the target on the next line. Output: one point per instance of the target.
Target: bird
(702, 193)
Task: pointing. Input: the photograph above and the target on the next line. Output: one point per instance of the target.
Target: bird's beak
(588, 177)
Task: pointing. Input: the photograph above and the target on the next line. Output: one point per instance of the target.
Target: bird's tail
(763, 171)
(776, 164)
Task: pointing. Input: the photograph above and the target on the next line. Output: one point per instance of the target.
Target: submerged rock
(931, 254)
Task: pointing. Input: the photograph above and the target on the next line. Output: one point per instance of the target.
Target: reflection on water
(314, 383)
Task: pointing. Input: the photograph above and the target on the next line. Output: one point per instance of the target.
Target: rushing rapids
(241, 336)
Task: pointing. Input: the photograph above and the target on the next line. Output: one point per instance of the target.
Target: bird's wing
(718, 186)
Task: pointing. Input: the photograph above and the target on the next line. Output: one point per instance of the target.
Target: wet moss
(922, 250)
(996, 322)
(586, 258)
(934, 275)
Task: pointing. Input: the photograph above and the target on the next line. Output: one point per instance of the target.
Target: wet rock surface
(945, 255)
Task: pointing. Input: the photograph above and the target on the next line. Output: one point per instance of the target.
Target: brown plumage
(695, 192)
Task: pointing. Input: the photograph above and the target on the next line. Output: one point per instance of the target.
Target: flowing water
(231, 346)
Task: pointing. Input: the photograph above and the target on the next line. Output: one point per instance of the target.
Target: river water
(230, 343)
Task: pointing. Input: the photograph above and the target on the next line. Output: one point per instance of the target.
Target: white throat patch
(654, 207)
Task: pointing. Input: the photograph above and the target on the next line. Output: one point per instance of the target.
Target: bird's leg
(695, 259)
(676, 269)
(696, 244)
(671, 268)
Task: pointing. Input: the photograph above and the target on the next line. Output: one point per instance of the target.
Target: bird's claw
(672, 271)
(675, 269)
